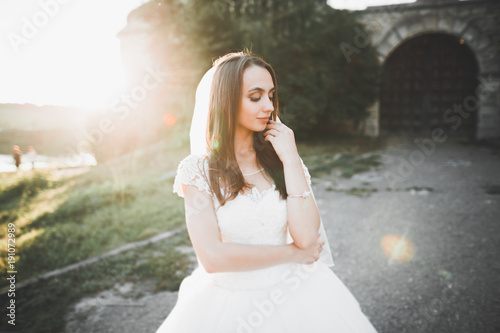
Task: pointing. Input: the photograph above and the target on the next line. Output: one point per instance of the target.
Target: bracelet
(303, 195)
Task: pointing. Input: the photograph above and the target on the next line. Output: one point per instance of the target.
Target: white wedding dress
(288, 298)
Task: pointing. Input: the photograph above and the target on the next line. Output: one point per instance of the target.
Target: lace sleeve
(189, 172)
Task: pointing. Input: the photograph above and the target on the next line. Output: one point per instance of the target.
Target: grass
(41, 307)
(356, 191)
(17, 189)
(419, 188)
(348, 155)
(63, 216)
(351, 164)
(75, 219)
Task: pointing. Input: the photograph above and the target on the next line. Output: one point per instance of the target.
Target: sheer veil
(199, 144)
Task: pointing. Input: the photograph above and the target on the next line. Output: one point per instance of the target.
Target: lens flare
(397, 248)
(169, 119)
(215, 144)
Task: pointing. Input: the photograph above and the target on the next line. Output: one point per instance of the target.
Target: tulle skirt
(288, 298)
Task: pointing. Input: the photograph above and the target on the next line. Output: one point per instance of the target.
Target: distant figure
(16, 154)
(31, 156)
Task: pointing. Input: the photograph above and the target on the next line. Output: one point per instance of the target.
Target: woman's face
(256, 103)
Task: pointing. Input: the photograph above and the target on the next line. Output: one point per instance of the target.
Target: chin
(258, 128)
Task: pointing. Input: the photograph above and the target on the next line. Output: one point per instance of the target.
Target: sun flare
(67, 54)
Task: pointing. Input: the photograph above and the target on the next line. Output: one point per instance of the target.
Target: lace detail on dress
(190, 171)
(257, 195)
(254, 218)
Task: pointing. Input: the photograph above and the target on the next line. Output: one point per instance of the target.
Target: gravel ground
(447, 207)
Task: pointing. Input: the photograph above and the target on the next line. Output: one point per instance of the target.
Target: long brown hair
(225, 97)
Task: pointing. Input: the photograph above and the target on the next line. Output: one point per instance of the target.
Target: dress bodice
(258, 217)
(254, 218)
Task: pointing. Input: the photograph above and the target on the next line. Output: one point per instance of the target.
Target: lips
(264, 120)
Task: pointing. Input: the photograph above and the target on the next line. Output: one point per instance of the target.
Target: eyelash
(257, 99)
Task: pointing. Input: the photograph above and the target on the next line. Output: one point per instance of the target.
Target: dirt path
(447, 208)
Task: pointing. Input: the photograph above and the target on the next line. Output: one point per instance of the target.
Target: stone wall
(476, 22)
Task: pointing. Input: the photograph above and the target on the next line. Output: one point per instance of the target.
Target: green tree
(301, 39)
(317, 84)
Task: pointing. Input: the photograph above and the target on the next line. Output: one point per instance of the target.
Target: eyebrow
(260, 89)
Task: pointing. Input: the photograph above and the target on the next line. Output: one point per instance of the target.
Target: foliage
(319, 88)
(301, 40)
(317, 84)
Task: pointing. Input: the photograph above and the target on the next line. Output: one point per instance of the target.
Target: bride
(262, 252)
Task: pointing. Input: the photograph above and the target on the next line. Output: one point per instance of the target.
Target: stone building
(441, 68)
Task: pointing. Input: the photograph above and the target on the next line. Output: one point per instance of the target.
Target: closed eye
(261, 92)
(256, 99)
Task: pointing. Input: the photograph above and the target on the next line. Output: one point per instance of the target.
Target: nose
(268, 106)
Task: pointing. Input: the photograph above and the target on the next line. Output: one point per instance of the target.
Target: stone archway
(389, 27)
(423, 79)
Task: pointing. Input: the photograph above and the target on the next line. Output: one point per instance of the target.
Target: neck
(243, 144)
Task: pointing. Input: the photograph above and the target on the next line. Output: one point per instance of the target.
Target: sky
(70, 58)
(66, 52)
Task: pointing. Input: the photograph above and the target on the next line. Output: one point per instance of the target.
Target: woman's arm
(303, 214)
(217, 256)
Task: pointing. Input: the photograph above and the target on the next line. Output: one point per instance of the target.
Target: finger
(269, 138)
(271, 132)
(309, 260)
(273, 124)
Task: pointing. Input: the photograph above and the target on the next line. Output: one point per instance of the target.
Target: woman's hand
(308, 255)
(282, 139)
